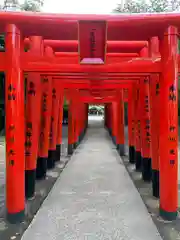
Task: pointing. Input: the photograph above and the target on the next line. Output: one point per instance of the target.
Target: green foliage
(65, 104)
(28, 5)
(2, 43)
(32, 5)
(143, 6)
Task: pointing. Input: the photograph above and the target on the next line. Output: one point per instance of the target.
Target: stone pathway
(94, 198)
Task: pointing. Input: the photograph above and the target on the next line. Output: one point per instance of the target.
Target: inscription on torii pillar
(92, 42)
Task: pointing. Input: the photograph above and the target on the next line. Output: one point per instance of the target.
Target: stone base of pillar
(84, 133)
(58, 152)
(146, 169)
(170, 216)
(131, 154)
(30, 180)
(51, 159)
(114, 139)
(121, 150)
(70, 149)
(155, 183)
(14, 218)
(41, 168)
(138, 160)
(80, 137)
(76, 145)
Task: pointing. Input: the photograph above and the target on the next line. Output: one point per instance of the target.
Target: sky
(78, 6)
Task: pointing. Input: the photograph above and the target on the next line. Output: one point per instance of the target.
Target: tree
(32, 5)
(143, 6)
(28, 5)
(10, 5)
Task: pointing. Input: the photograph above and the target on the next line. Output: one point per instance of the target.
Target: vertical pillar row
(70, 128)
(84, 120)
(80, 121)
(76, 120)
(114, 122)
(59, 128)
(120, 130)
(138, 157)
(110, 116)
(131, 127)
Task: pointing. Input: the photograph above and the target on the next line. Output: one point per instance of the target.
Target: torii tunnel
(99, 59)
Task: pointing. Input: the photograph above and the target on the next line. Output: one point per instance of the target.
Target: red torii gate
(132, 45)
(165, 68)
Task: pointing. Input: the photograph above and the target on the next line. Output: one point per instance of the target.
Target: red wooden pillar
(138, 157)
(111, 119)
(85, 118)
(80, 121)
(76, 132)
(115, 122)
(154, 117)
(77, 115)
(87, 114)
(46, 107)
(59, 129)
(120, 129)
(52, 155)
(145, 120)
(131, 127)
(70, 128)
(83, 121)
(79, 112)
(169, 125)
(15, 127)
(33, 112)
(145, 130)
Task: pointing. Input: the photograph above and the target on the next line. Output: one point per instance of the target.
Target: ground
(168, 230)
(94, 198)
